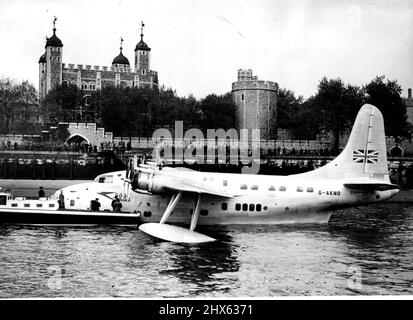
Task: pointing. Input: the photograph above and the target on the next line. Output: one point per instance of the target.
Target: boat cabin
(7, 201)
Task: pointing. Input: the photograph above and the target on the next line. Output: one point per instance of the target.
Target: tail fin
(365, 153)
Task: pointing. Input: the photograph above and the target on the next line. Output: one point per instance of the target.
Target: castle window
(143, 71)
(242, 97)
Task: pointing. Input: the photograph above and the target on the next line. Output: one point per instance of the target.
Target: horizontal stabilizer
(174, 233)
(371, 186)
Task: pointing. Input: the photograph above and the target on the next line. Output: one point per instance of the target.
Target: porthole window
(147, 214)
(27, 205)
(51, 205)
(271, 188)
(283, 188)
(72, 203)
(225, 183)
(300, 189)
(14, 204)
(244, 207)
(265, 208)
(204, 212)
(252, 207)
(254, 187)
(243, 186)
(39, 205)
(310, 189)
(224, 206)
(258, 207)
(237, 206)
(287, 209)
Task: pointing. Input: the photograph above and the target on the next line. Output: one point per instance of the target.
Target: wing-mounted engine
(150, 178)
(147, 178)
(148, 181)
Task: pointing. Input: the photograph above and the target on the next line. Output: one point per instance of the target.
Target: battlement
(80, 67)
(255, 85)
(246, 80)
(90, 131)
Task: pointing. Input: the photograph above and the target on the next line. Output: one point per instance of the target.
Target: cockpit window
(105, 179)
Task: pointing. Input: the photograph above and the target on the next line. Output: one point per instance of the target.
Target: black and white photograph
(185, 149)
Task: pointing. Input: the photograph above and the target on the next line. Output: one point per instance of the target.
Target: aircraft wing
(381, 186)
(186, 184)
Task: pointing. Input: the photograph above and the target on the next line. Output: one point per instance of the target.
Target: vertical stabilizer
(365, 153)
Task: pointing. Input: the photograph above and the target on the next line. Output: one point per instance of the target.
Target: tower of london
(52, 70)
(256, 102)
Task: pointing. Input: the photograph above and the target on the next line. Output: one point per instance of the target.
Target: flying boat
(167, 199)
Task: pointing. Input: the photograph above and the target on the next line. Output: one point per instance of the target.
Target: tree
(305, 122)
(337, 105)
(217, 112)
(287, 107)
(13, 94)
(296, 115)
(387, 97)
(60, 103)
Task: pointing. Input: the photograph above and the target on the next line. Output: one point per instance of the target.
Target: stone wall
(256, 102)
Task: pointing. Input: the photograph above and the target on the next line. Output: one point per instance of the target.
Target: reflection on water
(247, 261)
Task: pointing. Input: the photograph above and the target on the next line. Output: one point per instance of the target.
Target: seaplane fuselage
(260, 199)
(358, 176)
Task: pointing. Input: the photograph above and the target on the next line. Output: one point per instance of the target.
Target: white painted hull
(228, 219)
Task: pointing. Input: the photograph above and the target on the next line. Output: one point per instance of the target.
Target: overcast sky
(198, 46)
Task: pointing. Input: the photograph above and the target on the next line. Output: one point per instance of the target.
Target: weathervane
(121, 41)
(54, 23)
(142, 25)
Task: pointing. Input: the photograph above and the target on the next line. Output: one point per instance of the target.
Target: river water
(365, 251)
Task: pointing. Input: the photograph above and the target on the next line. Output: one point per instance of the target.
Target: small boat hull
(67, 217)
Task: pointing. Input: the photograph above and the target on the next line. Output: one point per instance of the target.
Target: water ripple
(247, 261)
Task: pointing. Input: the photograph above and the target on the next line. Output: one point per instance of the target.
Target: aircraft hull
(281, 218)
(66, 217)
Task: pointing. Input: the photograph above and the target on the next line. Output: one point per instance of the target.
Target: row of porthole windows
(27, 205)
(250, 207)
(273, 188)
(224, 206)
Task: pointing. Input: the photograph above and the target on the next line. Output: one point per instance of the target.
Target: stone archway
(77, 139)
(89, 133)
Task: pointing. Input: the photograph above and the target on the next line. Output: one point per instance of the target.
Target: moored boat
(45, 211)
